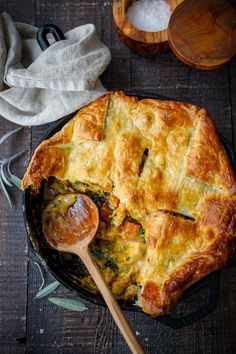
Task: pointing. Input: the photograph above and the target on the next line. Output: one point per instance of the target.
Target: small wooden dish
(141, 42)
(208, 40)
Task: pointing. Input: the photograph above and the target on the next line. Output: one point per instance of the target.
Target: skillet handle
(43, 32)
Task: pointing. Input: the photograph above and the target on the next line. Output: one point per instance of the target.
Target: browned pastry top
(164, 163)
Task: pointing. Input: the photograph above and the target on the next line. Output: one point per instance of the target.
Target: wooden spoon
(71, 230)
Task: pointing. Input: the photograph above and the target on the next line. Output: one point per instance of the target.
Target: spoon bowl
(72, 224)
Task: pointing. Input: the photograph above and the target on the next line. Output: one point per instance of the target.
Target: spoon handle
(111, 302)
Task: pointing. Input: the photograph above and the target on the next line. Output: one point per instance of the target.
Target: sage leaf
(5, 191)
(8, 160)
(5, 136)
(41, 274)
(4, 178)
(68, 304)
(16, 181)
(47, 290)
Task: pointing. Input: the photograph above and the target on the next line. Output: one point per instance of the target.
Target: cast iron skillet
(66, 268)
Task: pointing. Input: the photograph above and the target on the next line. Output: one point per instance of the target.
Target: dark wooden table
(37, 326)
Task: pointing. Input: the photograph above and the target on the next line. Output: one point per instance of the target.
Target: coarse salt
(149, 15)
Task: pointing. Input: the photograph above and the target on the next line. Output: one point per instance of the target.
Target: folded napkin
(40, 87)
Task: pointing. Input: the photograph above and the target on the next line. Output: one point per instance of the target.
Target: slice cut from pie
(164, 186)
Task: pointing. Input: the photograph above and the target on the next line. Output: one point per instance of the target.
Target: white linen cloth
(40, 87)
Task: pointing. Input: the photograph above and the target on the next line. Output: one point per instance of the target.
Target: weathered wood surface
(44, 328)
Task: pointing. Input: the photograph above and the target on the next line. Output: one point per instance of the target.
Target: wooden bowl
(141, 42)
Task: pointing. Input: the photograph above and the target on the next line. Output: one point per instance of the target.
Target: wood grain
(13, 253)
(19, 12)
(13, 245)
(94, 332)
(202, 33)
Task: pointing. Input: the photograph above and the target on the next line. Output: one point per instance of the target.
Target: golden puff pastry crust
(164, 163)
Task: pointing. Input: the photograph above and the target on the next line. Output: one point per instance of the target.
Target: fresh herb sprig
(68, 304)
(47, 290)
(7, 179)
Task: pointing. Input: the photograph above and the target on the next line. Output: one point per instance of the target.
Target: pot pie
(164, 187)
